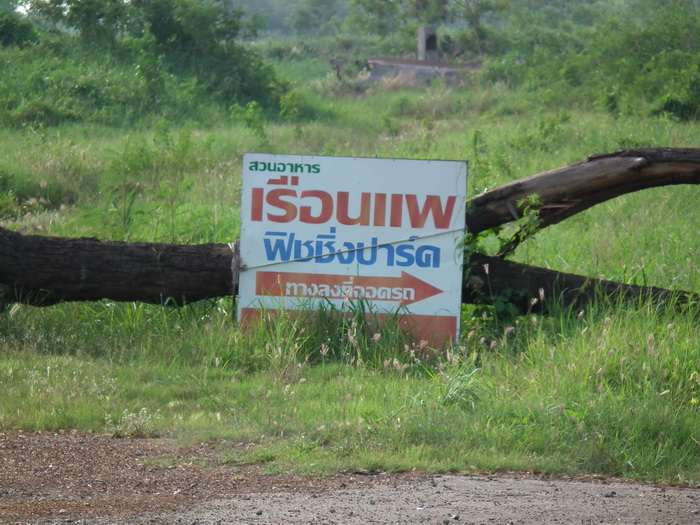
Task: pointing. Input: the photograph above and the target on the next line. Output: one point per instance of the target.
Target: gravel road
(85, 479)
(455, 499)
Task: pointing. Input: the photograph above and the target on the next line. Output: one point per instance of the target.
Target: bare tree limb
(531, 288)
(567, 191)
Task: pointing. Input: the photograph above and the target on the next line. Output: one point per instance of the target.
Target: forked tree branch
(566, 191)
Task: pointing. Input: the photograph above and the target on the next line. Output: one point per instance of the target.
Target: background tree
(315, 17)
(428, 12)
(374, 17)
(96, 21)
(474, 13)
(380, 18)
(15, 29)
(7, 5)
(191, 39)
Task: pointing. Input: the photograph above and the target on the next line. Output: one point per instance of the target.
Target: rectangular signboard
(336, 229)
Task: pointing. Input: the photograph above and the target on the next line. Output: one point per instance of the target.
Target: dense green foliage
(117, 63)
(14, 30)
(132, 126)
(621, 59)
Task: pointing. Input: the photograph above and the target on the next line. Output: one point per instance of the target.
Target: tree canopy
(188, 38)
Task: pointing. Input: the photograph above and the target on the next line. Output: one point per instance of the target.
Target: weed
(458, 387)
(252, 116)
(139, 424)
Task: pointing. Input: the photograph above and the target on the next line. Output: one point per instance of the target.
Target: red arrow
(403, 290)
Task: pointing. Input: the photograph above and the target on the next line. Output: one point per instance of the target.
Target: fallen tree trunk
(46, 270)
(42, 271)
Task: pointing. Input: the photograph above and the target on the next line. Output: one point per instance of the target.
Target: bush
(15, 30)
(683, 103)
(131, 60)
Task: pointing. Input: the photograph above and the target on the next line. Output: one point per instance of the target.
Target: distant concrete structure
(420, 72)
(416, 72)
(427, 44)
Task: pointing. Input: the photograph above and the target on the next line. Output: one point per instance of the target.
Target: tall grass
(607, 390)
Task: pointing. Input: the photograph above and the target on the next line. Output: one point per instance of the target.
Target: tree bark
(42, 271)
(567, 191)
(530, 288)
(46, 270)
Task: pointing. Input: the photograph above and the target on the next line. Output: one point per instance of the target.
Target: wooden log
(42, 271)
(46, 270)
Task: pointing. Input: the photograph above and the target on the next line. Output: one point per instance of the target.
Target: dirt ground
(68, 477)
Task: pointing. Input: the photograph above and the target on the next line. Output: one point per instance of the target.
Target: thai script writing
(284, 246)
(285, 205)
(284, 167)
(349, 290)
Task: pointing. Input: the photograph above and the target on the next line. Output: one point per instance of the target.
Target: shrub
(15, 30)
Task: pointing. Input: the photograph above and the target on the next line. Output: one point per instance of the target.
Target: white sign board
(337, 229)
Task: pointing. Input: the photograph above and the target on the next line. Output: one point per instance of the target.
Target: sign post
(328, 230)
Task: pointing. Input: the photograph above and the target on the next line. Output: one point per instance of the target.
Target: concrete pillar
(427, 43)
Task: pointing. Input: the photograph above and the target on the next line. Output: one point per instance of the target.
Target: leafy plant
(9, 207)
(684, 104)
(252, 116)
(527, 224)
(456, 386)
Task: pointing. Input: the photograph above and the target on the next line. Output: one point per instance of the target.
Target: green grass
(641, 238)
(611, 389)
(607, 391)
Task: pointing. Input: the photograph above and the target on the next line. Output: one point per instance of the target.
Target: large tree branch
(567, 191)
